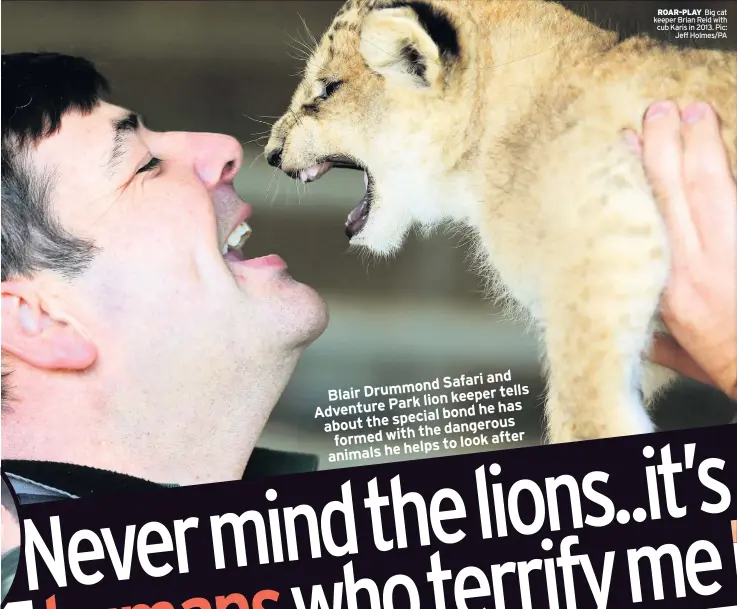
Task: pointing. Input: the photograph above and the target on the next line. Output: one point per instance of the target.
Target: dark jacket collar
(35, 481)
(74, 481)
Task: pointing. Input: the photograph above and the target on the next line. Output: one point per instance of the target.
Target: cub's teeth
(224, 249)
(311, 173)
(238, 237)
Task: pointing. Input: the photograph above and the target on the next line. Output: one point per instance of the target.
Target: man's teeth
(238, 237)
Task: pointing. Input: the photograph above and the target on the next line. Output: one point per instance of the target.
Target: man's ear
(412, 43)
(43, 339)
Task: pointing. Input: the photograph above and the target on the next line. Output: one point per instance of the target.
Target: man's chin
(291, 312)
(295, 313)
(314, 316)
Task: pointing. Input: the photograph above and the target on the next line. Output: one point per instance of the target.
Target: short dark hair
(38, 90)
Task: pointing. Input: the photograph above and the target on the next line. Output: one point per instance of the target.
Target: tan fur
(519, 139)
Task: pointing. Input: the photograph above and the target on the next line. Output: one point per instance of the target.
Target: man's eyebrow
(123, 128)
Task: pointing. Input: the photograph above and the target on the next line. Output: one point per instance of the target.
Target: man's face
(186, 333)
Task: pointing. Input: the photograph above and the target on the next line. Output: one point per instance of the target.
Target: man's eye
(152, 164)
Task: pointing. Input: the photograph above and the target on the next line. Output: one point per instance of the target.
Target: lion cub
(506, 117)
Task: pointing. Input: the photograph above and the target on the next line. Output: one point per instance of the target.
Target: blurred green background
(230, 67)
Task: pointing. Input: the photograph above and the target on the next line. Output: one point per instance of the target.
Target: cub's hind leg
(601, 292)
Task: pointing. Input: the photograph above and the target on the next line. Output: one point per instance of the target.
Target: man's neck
(177, 453)
(164, 437)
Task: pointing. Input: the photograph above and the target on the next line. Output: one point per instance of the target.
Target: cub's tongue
(357, 218)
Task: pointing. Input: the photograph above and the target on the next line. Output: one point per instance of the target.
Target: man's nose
(273, 157)
(219, 159)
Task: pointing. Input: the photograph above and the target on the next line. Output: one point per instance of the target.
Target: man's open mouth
(231, 249)
(359, 215)
(236, 261)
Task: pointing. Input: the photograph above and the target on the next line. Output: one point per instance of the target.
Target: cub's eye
(150, 166)
(328, 89)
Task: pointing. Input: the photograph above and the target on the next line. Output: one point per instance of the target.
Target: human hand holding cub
(687, 166)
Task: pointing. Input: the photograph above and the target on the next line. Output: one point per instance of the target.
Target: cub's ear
(411, 42)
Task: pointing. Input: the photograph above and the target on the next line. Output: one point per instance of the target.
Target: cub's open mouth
(359, 215)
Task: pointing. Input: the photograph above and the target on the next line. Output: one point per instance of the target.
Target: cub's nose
(273, 158)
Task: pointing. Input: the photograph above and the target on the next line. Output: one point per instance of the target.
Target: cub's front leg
(607, 265)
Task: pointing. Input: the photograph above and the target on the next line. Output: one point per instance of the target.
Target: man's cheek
(128, 286)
